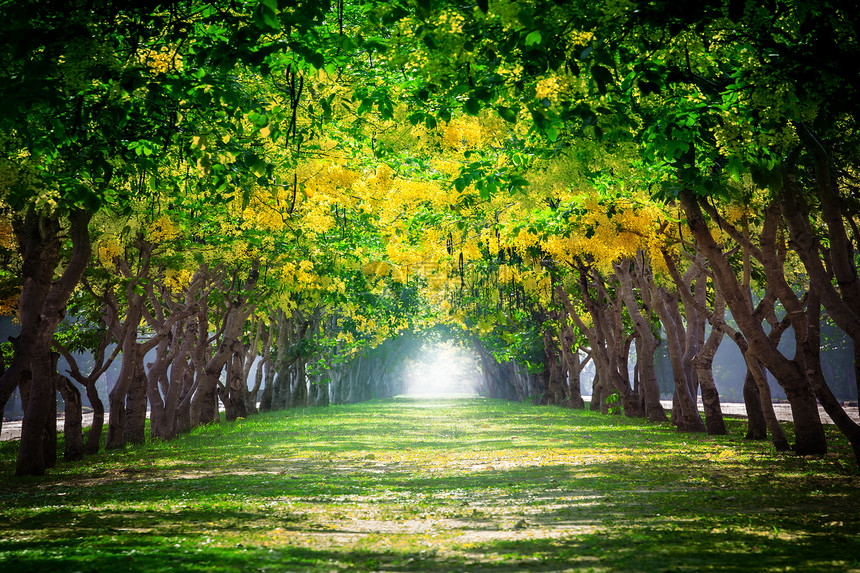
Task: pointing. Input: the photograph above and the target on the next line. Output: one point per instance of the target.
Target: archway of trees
(189, 189)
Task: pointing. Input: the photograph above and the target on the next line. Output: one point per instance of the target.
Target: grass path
(445, 485)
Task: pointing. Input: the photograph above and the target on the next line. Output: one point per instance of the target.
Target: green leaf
(603, 77)
(552, 134)
(507, 113)
(735, 168)
(266, 15)
(473, 106)
(534, 38)
(315, 59)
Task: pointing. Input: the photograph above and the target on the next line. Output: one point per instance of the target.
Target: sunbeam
(444, 369)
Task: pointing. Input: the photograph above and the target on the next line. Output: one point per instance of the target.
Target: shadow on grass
(633, 550)
(648, 549)
(517, 488)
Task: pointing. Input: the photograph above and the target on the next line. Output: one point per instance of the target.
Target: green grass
(447, 485)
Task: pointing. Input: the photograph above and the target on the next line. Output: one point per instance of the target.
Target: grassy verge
(410, 485)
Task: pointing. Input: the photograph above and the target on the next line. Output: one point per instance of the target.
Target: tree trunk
(73, 420)
(125, 378)
(574, 365)
(685, 408)
(756, 424)
(134, 431)
(41, 307)
(809, 433)
(812, 360)
(182, 422)
(647, 346)
(704, 362)
(17, 375)
(598, 393)
(554, 383)
(94, 436)
(268, 390)
(237, 385)
(606, 338)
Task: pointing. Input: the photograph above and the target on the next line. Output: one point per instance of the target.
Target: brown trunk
(251, 395)
(843, 304)
(554, 383)
(703, 362)
(164, 387)
(100, 367)
(685, 408)
(695, 306)
(155, 384)
(238, 384)
(598, 393)
(808, 430)
(609, 344)
(94, 435)
(18, 375)
(266, 365)
(812, 358)
(756, 425)
(125, 378)
(261, 336)
(41, 307)
(754, 369)
(804, 407)
(266, 398)
(73, 420)
(640, 314)
(35, 453)
(182, 421)
(322, 393)
(574, 365)
(134, 431)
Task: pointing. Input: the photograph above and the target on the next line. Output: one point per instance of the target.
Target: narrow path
(12, 428)
(782, 410)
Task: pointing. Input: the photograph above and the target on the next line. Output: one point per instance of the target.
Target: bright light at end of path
(443, 369)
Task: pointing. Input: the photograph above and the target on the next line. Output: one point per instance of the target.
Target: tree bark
(574, 365)
(72, 420)
(809, 432)
(41, 307)
(93, 443)
(687, 418)
(640, 314)
(704, 362)
(811, 349)
(756, 424)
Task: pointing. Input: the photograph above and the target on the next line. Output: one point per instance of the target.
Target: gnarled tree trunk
(41, 307)
(809, 432)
